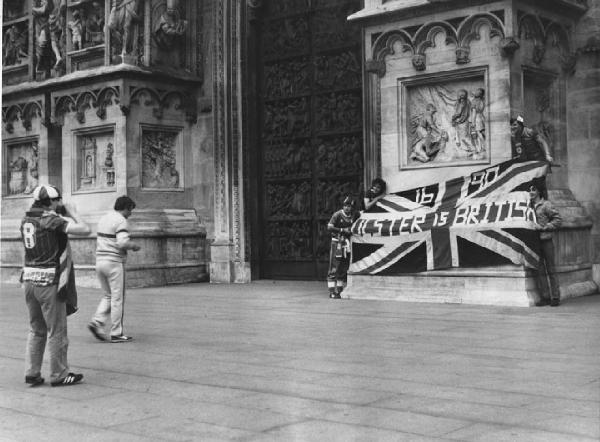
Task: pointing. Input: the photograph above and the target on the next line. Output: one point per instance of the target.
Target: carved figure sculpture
(94, 24)
(49, 17)
(76, 28)
(170, 27)
(14, 46)
(477, 121)
(18, 176)
(123, 15)
(428, 139)
(460, 122)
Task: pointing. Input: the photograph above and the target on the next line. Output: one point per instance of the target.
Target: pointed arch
(470, 29)
(425, 36)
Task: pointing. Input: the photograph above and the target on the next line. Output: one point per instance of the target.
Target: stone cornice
(393, 10)
(108, 73)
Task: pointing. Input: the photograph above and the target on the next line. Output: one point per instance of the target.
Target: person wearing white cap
(45, 274)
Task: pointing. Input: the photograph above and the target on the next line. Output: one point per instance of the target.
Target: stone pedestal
(423, 61)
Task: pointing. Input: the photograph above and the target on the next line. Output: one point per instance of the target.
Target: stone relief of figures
(340, 71)
(447, 123)
(14, 45)
(95, 157)
(287, 36)
(76, 28)
(122, 22)
(285, 79)
(159, 160)
(338, 112)
(332, 194)
(339, 156)
(284, 119)
(289, 159)
(49, 16)
(22, 165)
(288, 241)
(288, 200)
(170, 28)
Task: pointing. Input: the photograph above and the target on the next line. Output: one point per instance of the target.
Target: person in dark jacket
(339, 255)
(548, 220)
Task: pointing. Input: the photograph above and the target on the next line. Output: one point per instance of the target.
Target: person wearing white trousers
(112, 244)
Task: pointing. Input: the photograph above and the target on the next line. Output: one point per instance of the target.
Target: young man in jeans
(111, 253)
(45, 275)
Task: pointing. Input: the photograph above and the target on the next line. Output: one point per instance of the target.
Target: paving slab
(280, 361)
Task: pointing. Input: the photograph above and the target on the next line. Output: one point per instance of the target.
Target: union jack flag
(481, 219)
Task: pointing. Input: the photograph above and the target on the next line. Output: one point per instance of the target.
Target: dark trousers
(338, 267)
(547, 271)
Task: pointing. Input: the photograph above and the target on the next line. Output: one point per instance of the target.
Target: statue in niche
(170, 28)
(49, 18)
(94, 24)
(76, 28)
(478, 122)
(428, 138)
(14, 46)
(108, 168)
(123, 16)
(18, 176)
(159, 161)
(88, 161)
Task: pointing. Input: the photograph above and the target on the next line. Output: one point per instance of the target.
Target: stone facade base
(502, 286)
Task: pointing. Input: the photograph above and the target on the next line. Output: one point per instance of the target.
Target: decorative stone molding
(82, 101)
(162, 100)
(254, 8)
(508, 46)
(461, 35)
(376, 67)
(23, 111)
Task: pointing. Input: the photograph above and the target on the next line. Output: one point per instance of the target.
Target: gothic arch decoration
(424, 38)
(162, 100)
(555, 34)
(470, 29)
(82, 101)
(21, 111)
(106, 97)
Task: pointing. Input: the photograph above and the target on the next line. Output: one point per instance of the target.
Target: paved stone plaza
(281, 362)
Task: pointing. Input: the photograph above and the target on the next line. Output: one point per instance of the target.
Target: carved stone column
(228, 250)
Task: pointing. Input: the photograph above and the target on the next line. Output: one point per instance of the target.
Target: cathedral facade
(239, 126)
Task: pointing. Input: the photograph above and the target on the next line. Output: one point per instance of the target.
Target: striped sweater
(113, 234)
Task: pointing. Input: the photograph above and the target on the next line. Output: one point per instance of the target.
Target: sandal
(70, 379)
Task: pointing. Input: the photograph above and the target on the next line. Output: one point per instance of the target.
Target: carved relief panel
(94, 165)
(446, 120)
(21, 166)
(161, 158)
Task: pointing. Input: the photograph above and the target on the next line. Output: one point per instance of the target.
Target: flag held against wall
(478, 220)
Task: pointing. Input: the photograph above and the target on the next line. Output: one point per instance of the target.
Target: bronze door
(310, 137)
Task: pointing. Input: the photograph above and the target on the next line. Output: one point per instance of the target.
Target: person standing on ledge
(339, 254)
(45, 277)
(548, 220)
(112, 245)
(529, 145)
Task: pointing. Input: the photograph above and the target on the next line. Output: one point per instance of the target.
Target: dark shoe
(121, 338)
(96, 332)
(70, 379)
(337, 296)
(332, 294)
(34, 381)
(542, 302)
(555, 302)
